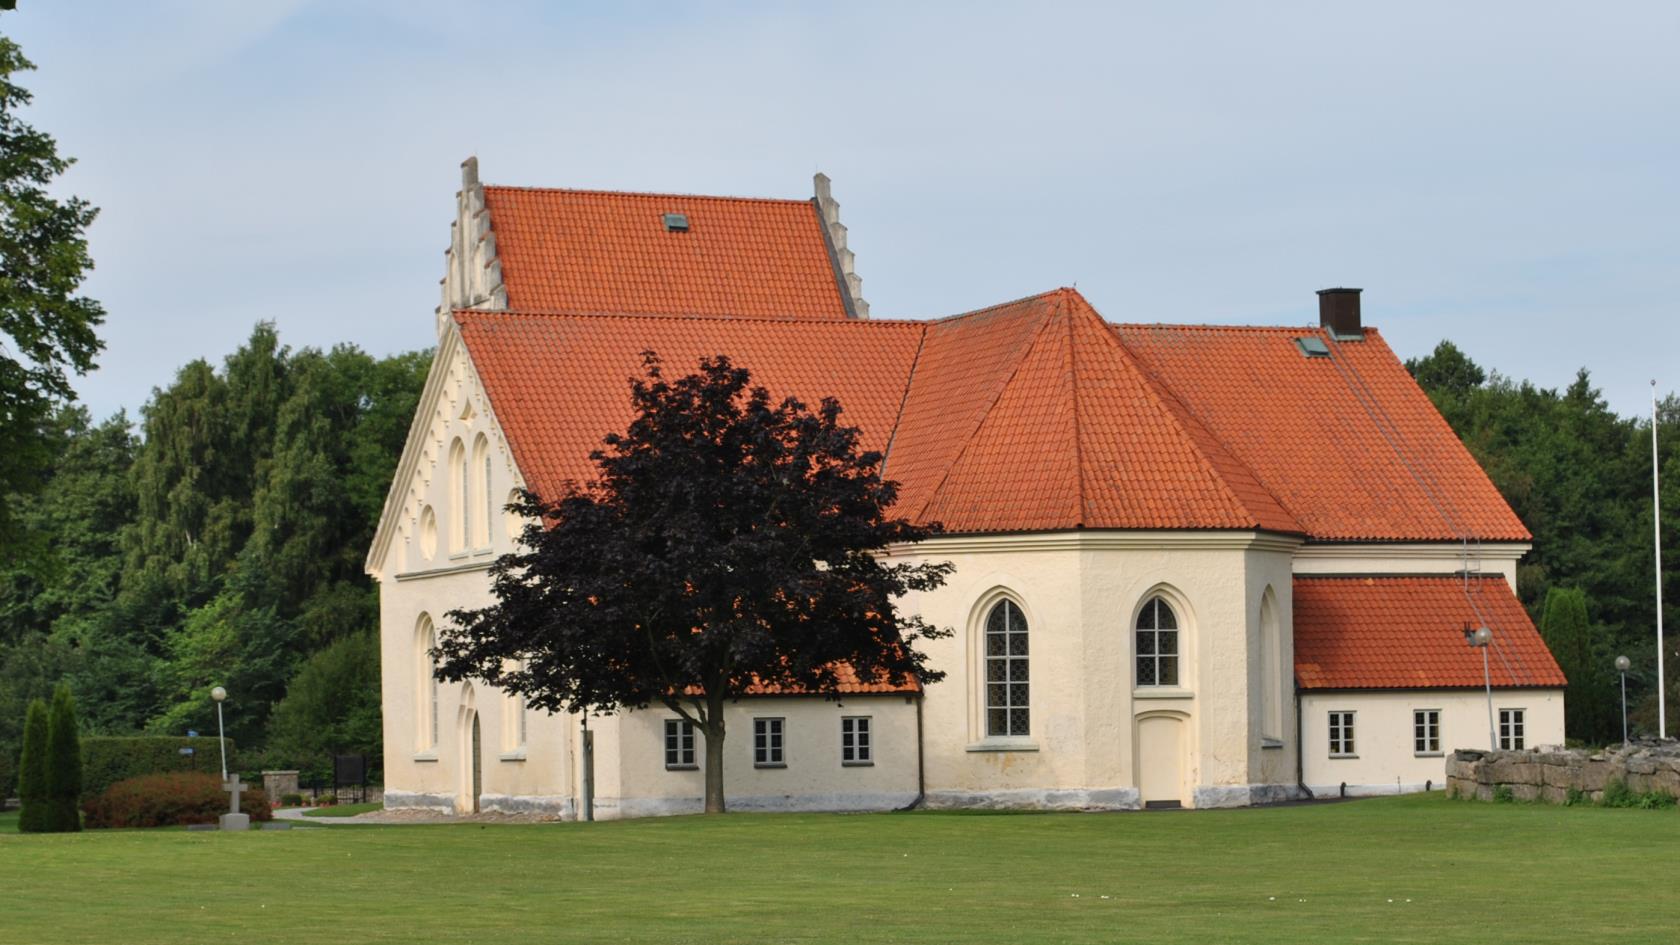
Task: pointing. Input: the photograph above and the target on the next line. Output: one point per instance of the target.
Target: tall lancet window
(459, 491)
(1157, 644)
(480, 493)
(1007, 694)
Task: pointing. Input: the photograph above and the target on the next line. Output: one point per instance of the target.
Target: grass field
(1414, 869)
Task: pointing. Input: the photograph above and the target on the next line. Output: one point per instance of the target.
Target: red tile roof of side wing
(1355, 632)
(610, 252)
(1349, 444)
(558, 383)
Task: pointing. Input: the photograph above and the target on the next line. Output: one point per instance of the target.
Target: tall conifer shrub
(64, 764)
(32, 771)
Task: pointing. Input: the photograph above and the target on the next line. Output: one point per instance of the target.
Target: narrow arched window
(1006, 671)
(481, 492)
(1157, 644)
(425, 686)
(459, 489)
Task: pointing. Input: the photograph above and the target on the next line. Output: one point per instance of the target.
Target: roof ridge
(940, 319)
(1263, 329)
(588, 192)
(684, 316)
(1179, 414)
(1083, 512)
(996, 395)
(903, 398)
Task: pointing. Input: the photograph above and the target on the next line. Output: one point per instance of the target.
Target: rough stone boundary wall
(1548, 774)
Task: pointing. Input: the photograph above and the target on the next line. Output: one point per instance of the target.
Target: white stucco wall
(1386, 762)
(1081, 593)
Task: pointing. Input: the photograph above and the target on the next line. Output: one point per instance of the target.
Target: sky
(1504, 175)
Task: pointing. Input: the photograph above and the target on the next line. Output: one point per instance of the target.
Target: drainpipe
(921, 770)
(1300, 753)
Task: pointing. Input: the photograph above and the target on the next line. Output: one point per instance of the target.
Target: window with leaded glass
(1511, 729)
(1426, 731)
(767, 743)
(1157, 644)
(1006, 671)
(679, 743)
(855, 748)
(1341, 735)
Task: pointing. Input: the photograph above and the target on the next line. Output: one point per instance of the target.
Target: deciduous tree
(729, 540)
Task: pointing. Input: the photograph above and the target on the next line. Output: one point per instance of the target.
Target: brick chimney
(1338, 313)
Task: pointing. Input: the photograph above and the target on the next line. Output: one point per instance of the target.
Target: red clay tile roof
(849, 685)
(1348, 444)
(610, 252)
(559, 383)
(1355, 632)
(1037, 416)
(1030, 416)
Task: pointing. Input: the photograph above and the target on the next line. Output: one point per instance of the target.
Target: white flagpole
(1656, 511)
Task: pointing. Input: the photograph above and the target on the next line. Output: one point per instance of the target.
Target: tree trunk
(714, 756)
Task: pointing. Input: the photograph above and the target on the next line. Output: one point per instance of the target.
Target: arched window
(1006, 671)
(425, 687)
(459, 489)
(481, 492)
(1271, 668)
(1157, 644)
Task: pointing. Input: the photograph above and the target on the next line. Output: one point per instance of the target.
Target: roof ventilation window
(1313, 346)
(676, 223)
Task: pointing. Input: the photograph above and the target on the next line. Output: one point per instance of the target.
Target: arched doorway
(1161, 759)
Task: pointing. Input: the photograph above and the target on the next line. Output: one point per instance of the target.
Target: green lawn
(343, 810)
(1415, 869)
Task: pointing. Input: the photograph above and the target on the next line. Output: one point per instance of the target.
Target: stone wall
(1547, 774)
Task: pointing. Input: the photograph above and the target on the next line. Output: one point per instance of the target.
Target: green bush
(1503, 795)
(165, 800)
(32, 772)
(109, 759)
(64, 764)
(291, 800)
(1618, 794)
(1574, 797)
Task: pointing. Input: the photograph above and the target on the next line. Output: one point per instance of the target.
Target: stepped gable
(1406, 632)
(603, 251)
(1349, 444)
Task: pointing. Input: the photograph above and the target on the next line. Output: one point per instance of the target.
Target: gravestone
(233, 819)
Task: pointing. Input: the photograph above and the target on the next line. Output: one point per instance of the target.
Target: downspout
(1300, 754)
(921, 770)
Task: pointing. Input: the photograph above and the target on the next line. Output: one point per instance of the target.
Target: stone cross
(233, 787)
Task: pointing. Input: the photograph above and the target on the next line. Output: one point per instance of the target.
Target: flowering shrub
(171, 799)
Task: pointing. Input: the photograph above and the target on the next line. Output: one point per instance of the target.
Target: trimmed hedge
(32, 771)
(64, 763)
(108, 759)
(167, 800)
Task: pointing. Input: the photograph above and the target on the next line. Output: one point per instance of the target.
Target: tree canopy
(729, 541)
(46, 327)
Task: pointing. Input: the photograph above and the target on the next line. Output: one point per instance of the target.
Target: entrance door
(477, 765)
(1160, 760)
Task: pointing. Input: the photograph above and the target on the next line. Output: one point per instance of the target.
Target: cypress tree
(32, 775)
(64, 765)
(1568, 634)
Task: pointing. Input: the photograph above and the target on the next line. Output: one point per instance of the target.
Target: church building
(1195, 565)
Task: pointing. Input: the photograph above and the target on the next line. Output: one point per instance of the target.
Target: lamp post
(1480, 638)
(219, 695)
(1622, 664)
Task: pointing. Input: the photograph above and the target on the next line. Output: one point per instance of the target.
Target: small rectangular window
(767, 743)
(679, 744)
(1341, 735)
(1426, 731)
(855, 746)
(1511, 729)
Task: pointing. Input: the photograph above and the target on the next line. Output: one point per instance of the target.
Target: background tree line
(1579, 476)
(220, 542)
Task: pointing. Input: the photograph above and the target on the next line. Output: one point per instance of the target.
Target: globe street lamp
(219, 694)
(1480, 638)
(1622, 664)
